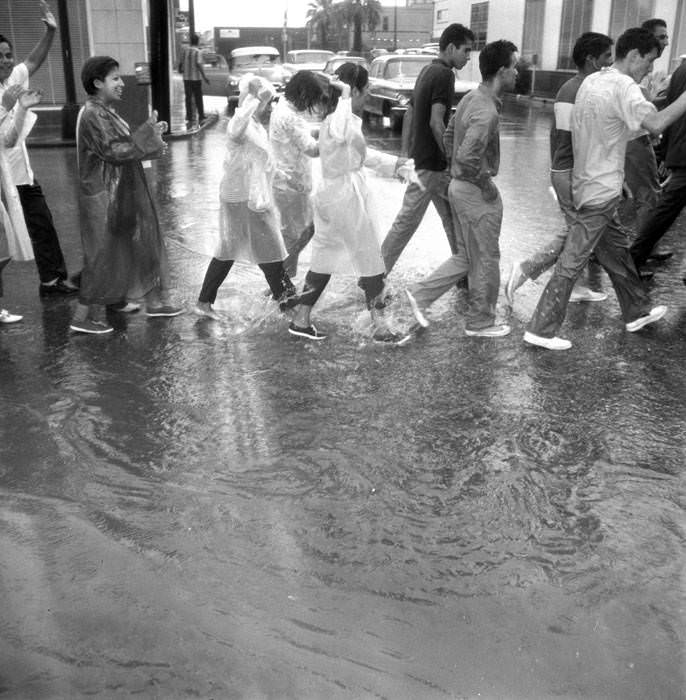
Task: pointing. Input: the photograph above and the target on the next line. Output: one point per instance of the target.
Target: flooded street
(193, 509)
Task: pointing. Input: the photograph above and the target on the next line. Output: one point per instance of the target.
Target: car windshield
(260, 59)
(404, 68)
(309, 57)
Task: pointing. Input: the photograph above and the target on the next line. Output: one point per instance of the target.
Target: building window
(629, 13)
(441, 15)
(532, 41)
(479, 24)
(576, 19)
(384, 24)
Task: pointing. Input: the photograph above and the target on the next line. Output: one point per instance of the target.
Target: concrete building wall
(506, 21)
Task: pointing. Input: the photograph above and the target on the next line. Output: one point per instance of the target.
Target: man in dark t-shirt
(428, 116)
(591, 53)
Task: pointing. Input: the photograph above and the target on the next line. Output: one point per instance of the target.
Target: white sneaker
(514, 281)
(418, 314)
(547, 343)
(498, 331)
(7, 317)
(655, 314)
(586, 294)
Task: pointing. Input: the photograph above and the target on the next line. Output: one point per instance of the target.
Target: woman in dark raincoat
(124, 253)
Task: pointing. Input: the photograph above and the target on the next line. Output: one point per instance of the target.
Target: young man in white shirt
(52, 269)
(610, 109)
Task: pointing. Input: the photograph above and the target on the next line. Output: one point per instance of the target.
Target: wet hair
(590, 44)
(494, 56)
(455, 34)
(6, 40)
(96, 68)
(636, 38)
(650, 24)
(195, 39)
(304, 91)
(352, 74)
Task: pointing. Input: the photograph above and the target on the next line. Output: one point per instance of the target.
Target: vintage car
(307, 59)
(324, 76)
(258, 60)
(391, 82)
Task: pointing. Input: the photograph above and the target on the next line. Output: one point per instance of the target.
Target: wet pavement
(218, 510)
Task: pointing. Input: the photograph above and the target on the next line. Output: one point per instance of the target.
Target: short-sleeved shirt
(17, 156)
(435, 85)
(561, 153)
(608, 112)
(190, 59)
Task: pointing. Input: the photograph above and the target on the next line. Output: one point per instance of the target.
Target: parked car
(391, 82)
(307, 59)
(259, 60)
(217, 71)
(333, 64)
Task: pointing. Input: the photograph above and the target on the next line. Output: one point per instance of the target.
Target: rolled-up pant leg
(216, 273)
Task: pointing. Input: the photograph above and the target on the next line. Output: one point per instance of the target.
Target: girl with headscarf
(249, 228)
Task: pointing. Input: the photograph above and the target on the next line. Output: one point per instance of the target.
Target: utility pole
(395, 24)
(159, 59)
(70, 109)
(191, 18)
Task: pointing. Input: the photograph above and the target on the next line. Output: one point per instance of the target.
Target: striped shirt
(190, 59)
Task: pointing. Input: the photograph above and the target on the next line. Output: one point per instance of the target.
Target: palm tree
(321, 14)
(361, 13)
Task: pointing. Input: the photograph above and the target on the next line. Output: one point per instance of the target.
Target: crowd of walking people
(606, 128)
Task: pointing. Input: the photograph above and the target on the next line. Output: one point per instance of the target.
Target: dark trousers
(277, 279)
(193, 92)
(315, 283)
(658, 221)
(46, 246)
(591, 229)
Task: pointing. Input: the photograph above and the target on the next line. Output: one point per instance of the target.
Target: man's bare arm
(406, 136)
(40, 51)
(657, 122)
(437, 124)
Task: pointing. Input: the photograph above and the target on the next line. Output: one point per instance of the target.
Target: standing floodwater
(199, 509)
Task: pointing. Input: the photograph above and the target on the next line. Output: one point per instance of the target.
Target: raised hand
(47, 17)
(10, 96)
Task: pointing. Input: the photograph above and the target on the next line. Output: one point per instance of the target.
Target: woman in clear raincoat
(249, 227)
(294, 147)
(124, 252)
(346, 236)
(15, 124)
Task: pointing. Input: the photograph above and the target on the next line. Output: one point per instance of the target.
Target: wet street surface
(191, 508)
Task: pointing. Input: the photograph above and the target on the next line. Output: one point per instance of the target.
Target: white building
(545, 30)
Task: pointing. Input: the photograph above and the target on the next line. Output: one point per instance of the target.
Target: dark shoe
(59, 288)
(311, 333)
(89, 326)
(660, 255)
(646, 275)
(75, 279)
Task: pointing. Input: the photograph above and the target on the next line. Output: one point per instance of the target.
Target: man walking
(609, 109)
(472, 144)
(673, 198)
(191, 67)
(52, 269)
(428, 116)
(640, 167)
(591, 52)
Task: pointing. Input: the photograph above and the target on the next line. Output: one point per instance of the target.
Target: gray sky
(248, 13)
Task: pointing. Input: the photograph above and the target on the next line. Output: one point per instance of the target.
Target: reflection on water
(193, 509)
